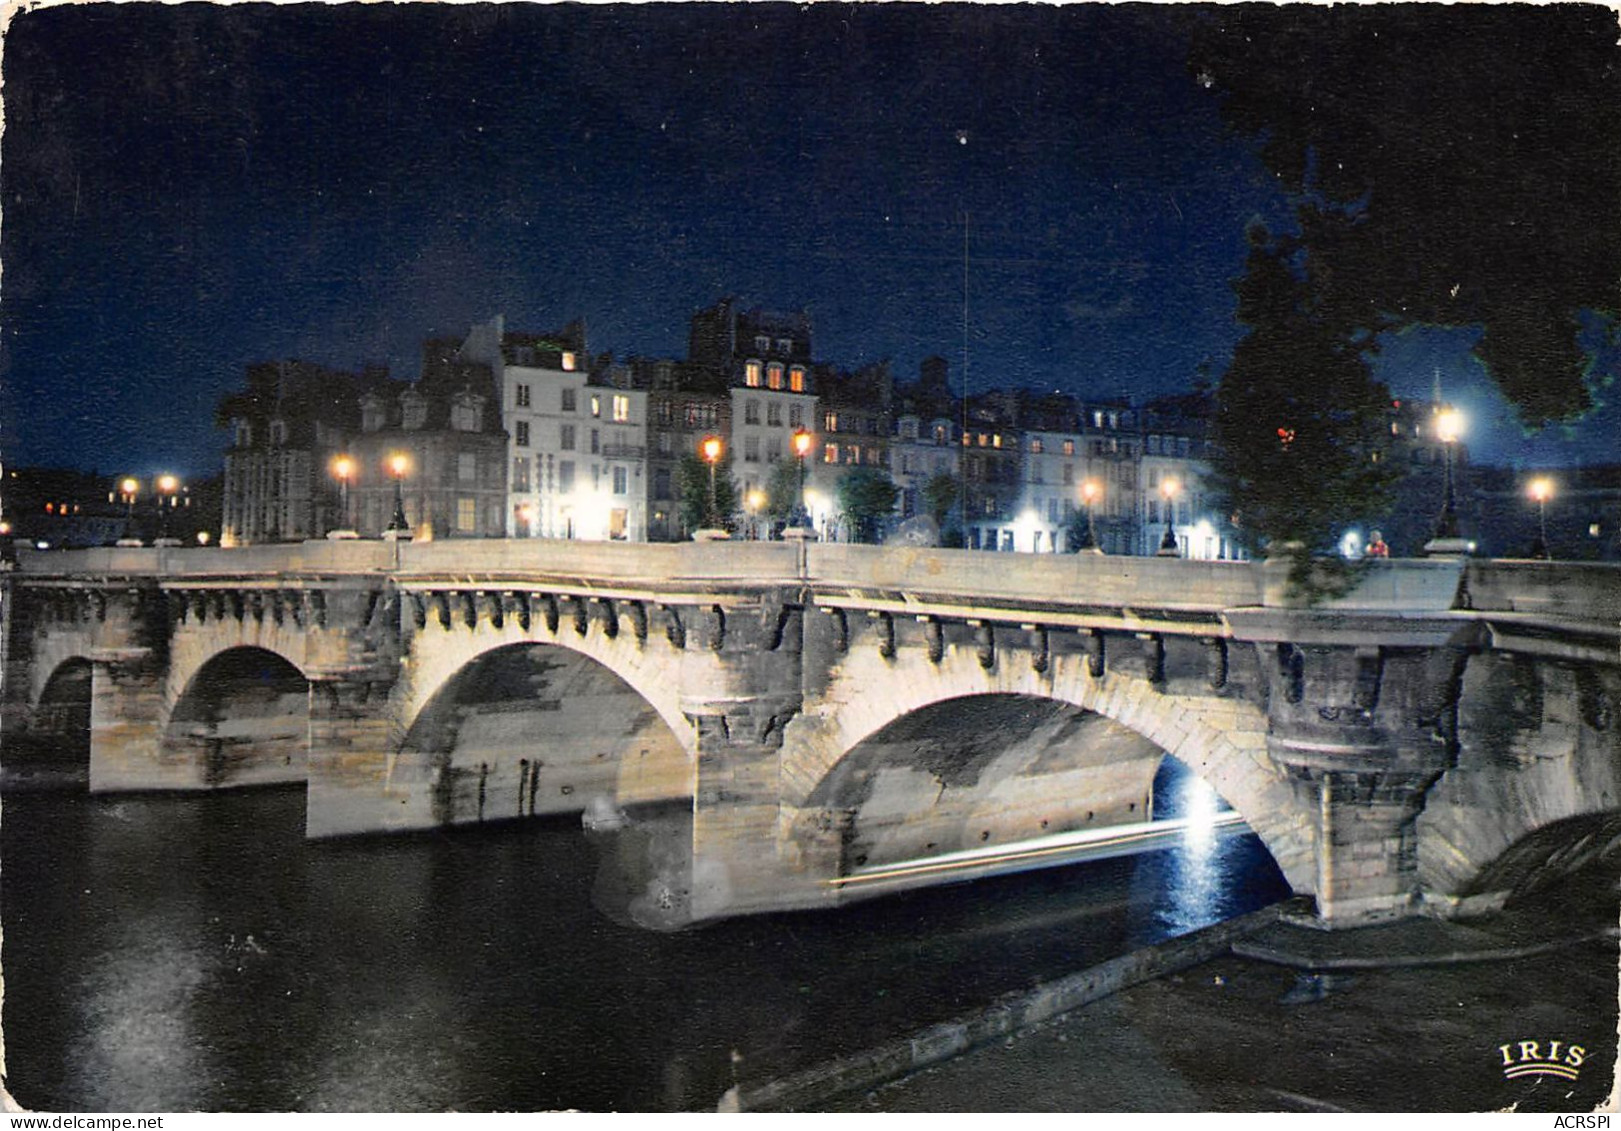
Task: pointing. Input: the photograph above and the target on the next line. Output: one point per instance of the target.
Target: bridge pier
(356, 783)
(741, 685)
(1363, 713)
(128, 705)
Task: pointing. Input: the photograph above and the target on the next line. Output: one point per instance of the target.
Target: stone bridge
(1438, 740)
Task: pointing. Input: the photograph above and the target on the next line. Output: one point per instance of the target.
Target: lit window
(1035, 445)
(796, 379)
(621, 408)
(568, 360)
(996, 440)
(751, 374)
(830, 454)
(1593, 530)
(466, 515)
(1069, 447)
(596, 405)
(830, 422)
(983, 439)
(773, 375)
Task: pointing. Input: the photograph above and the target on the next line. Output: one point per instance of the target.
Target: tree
(1449, 166)
(940, 495)
(782, 492)
(867, 496)
(1298, 417)
(692, 488)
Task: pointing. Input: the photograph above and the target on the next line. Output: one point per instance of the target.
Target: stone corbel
(934, 638)
(1096, 653)
(550, 612)
(1040, 651)
(984, 643)
(715, 622)
(1215, 662)
(610, 617)
(884, 624)
(674, 630)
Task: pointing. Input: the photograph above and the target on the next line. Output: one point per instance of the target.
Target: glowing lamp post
(711, 450)
(755, 501)
(1168, 547)
(803, 443)
(343, 470)
(166, 486)
(1541, 490)
(1448, 427)
(1090, 491)
(128, 488)
(399, 466)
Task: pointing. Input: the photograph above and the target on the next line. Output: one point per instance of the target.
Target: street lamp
(711, 449)
(166, 485)
(343, 469)
(1541, 489)
(1448, 427)
(1167, 545)
(1090, 490)
(399, 466)
(129, 487)
(803, 443)
(755, 502)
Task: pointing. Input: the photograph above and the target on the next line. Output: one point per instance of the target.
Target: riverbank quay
(1421, 1015)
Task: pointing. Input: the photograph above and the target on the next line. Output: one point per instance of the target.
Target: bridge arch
(439, 654)
(527, 727)
(1221, 740)
(55, 746)
(241, 717)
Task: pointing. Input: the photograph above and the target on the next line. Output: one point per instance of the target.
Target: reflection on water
(196, 952)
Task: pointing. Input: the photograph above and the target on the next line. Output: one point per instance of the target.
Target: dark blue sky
(189, 189)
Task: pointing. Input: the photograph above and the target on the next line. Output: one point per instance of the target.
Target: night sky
(188, 189)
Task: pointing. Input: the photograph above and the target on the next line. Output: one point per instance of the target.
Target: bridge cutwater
(835, 717)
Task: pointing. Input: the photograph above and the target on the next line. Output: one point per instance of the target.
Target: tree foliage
(1298, 413)
(1449, 166)
(940, 495)
(867, 496)
(782, 492)
(692, 486)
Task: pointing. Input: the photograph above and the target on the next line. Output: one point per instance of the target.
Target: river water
(194, 952)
